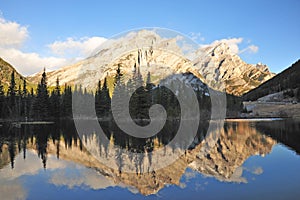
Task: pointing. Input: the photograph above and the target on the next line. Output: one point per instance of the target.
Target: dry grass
(269, 109)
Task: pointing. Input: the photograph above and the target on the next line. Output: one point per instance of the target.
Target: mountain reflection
(236, 142)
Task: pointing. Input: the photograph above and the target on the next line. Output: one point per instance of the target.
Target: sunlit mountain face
(241, 153)
(144, 117)
(163, 53)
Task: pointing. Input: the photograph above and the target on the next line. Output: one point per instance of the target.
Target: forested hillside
(288, 81)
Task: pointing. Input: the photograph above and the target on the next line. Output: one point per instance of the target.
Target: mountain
(285, 84)
(218, 64)
(5, 74)
(162, 57)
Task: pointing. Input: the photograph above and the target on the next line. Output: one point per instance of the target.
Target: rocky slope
(218, 64)
(287, 82)
(162, 57)
(5, 73)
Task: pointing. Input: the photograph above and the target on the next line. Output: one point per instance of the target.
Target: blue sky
(272, 28)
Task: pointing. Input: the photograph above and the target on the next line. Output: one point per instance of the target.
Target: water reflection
(57, 149)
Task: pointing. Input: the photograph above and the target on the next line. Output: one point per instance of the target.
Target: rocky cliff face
(163, 57)
(218, 64)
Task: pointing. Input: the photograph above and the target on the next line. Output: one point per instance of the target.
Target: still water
(249, 160)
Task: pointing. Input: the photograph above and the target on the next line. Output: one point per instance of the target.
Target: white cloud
(234, 45)
(255, 170)
(31, 166)
(87, 177)
(29, 63)
(196, 36)
(76, 47)
(249, 49)
(65, 52)
(12, 190)
(13, 36)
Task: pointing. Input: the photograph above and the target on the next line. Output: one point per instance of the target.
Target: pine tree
(19, 102)
(118, 77)
(25, 92)
(138, 99)
(25, 104)
(12, 86)
(11, 93)
(2, 102)
(149, 91)
(105, 100)
(98, 99)
(67, 102)
(55, 100)
(119, 91)
(137, 78)
(41, 104)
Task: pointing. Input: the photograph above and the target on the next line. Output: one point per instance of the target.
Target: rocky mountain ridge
(6, 70)
(213, 64)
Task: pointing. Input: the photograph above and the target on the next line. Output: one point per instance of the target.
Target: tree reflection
(236, 143)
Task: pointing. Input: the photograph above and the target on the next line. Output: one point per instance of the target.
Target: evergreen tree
(2, 101)
(41, 103)
(11, 93)
(25, 103)
(12, 86)
(105, 100)
(55, 100)
(137, 77)
(119, 91)
(98, 99)
(24, 88)
(149, 85)
(19, 101)
(118, 77)
(67, 102)
(149, 89)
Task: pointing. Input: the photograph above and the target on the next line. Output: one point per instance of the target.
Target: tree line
(287, 81)
(21, 103)
(144, 94)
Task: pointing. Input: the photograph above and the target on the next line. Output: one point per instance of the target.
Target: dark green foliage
(11, 93)
(55, 101)
(41, 101)
(25, 101)
(2, 101)
(19, 104)
(298, 94)
(234, 105)
(102, 100)
(67, 102)
(288, 79)
(289, 93)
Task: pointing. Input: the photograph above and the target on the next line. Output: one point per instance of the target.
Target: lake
(246, 159)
